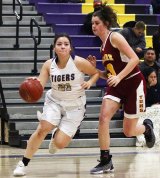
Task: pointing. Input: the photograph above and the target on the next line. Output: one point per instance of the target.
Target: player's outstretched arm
(44, 73)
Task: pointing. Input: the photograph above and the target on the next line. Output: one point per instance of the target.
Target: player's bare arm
(44, 73)
(119, 41)
(87, 68)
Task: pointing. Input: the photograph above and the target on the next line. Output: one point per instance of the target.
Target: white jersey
(66, 82)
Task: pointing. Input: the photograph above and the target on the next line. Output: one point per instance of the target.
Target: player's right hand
(34, 78)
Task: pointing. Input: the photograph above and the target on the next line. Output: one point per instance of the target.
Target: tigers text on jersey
(66, 82)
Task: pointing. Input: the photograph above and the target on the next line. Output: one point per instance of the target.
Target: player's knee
(43, 131)
(59, 144)
(103, 120)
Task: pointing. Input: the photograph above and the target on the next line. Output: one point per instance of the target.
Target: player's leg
(52, 147)
(108, 109)
(33, 144)
(133, 108)
(48, 120)
(59, 141)
(67, 127)
(37, 137)
(131, 128)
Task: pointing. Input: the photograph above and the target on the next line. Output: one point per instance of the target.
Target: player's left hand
(86, 85)
(113, 80)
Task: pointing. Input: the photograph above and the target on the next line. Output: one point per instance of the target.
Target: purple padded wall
(158, 19)
(59, 7)
(85, 41)
(37, 1)
(64, 18)
(142, 1)
(71, 29)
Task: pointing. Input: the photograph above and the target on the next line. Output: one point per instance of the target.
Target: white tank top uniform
(66, 82)
(65, 102)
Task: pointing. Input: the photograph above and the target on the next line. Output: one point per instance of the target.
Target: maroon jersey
(113, 61)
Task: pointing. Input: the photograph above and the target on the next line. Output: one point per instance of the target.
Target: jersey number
(64, 87)
(110, 70)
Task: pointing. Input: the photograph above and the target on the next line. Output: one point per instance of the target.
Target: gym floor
(129, 162)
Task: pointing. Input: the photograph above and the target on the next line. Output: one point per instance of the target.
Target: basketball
(31, 90)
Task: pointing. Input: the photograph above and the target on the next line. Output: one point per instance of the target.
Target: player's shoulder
(116, 36)
(78, 58)
(47, 63)
(80, 62)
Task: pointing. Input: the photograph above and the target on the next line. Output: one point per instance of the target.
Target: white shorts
(66, 115)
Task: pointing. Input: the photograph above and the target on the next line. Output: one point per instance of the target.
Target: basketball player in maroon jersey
(126, 87)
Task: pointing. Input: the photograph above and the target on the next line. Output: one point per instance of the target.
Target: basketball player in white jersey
(64, 106)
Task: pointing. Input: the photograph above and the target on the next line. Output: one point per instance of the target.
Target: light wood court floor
(129, 162)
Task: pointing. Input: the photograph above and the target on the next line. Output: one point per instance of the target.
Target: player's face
(62, 46)
(98, 26)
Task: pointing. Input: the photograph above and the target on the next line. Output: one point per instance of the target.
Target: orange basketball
(31, 90)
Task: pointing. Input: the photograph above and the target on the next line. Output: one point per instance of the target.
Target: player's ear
(71, 49)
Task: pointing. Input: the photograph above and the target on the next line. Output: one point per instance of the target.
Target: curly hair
(107, 15)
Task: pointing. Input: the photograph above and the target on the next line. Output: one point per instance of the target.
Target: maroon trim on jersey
(112, 60)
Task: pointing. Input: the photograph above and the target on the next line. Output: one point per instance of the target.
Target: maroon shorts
(131, 93)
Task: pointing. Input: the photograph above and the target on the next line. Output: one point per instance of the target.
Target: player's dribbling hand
(113, 80)
(34, 78)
